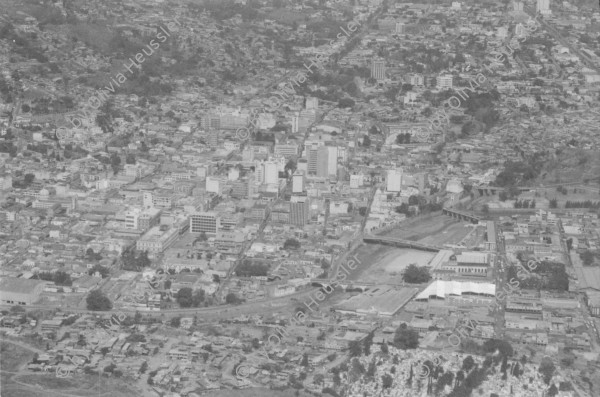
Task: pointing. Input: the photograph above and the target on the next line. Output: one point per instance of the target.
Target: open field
(257, 393)
(19, 382)
(434, 229)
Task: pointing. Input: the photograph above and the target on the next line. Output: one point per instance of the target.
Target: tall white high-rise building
(259, 172)
(295, 123)
(312, 158)
(356, 181)
(444, 82)
(298, 182)
(394, 180)
(517, 6)
(271, 172)
(332, 157)
(543, 7)
(233, 174)
(378, 70)
(312, 103)
(323, 162)
(266, 172)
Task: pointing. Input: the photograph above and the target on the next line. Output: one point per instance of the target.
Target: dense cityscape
(347, 198)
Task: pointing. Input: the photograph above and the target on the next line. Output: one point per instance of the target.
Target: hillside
(571, 165)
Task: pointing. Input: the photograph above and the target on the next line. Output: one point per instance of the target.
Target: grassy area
(257, 393)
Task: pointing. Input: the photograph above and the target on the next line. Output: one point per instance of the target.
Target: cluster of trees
(416, 274)
(562, 189)
(421, 203)
(264, 137)
(135, 263)
(346, 103)
(232, 299)
(517, 172)
(366, 141)
(249, 269)
(188, 298)
(546, 276)
(91, 255)
(553, 203)
(524, 204)
(104, 271)
(25, 183)
(582, 204)
(588, 257)
(59, 278)
(291, 243)
(403, 138)
(406, 338)
(97, 301)
(8, 147)
(357, 348)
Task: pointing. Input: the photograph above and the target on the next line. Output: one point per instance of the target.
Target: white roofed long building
(441, 289)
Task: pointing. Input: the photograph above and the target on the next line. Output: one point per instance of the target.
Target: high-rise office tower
(323, 162)
(378, 70)
(394, 180)
(270, 172)
(212, 138)
(259, 172)
(444, 82)
(543, 7)
(299, 210)
(312, 103)
(517, 6)
(206, 222)
(295, 123)
(298, 182)
(332, 156)
(312, 158)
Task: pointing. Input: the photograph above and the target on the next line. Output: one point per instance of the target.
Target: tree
(468, 363)
(371, 369)
(97, 301)
(319, 379)
(416, 275)
(175, 322)
(291, 243)
(115, 161)
(144, 367)
(304, 361)
(130, 159)
(387, 381)
(29, 179)
(406, 338)
(384, 348)
(366, 141)
(184, 297)
(346, 103)
(355, 349)
(547, 369)
(368, 342)
(232, 299)
(198, 297)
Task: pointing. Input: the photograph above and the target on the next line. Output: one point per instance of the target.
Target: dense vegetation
(416, 274)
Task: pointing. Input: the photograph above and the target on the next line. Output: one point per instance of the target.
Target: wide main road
(213, 311)
(558, 36)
